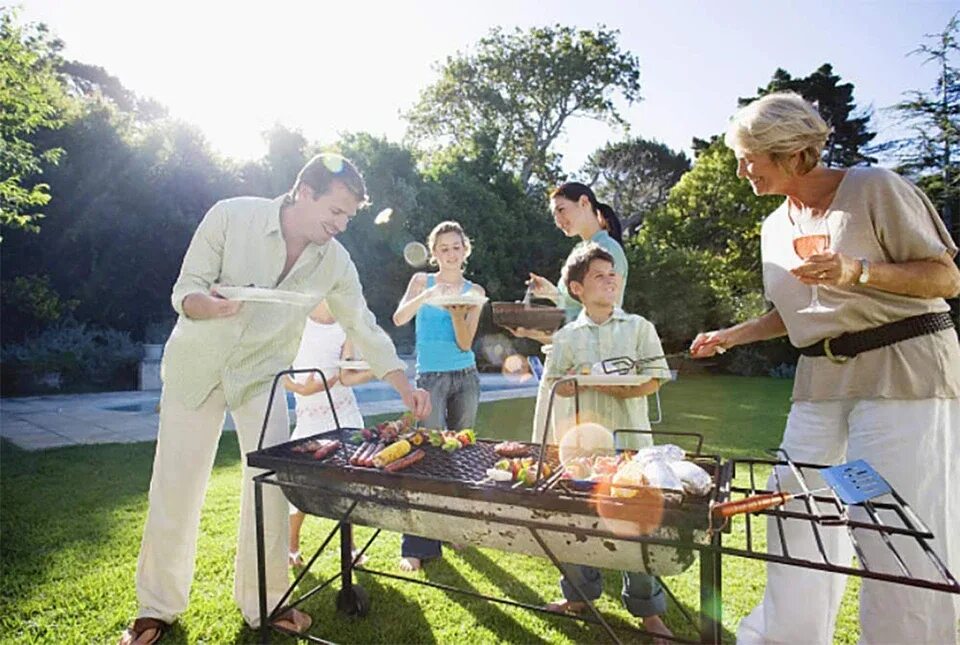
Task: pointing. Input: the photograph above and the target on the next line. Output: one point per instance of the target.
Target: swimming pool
(368, 393)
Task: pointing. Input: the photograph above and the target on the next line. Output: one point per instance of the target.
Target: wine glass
(811, 235)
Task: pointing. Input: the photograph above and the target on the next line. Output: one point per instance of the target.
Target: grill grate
(467, 465)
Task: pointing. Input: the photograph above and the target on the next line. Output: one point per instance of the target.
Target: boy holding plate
(602, 331)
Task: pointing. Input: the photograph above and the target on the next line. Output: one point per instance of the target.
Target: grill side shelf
(880, 519)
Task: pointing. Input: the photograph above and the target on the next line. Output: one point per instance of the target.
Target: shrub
(80, 354)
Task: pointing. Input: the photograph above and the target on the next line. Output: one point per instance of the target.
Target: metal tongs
(625, 365)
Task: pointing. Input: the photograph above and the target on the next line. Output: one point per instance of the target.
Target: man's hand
(418, 402)
(205, 306)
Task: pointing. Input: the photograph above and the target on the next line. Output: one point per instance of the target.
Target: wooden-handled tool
(757, 503)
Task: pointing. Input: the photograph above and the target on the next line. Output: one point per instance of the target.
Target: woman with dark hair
(577, 213)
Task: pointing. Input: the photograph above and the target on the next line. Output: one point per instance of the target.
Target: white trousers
(186, 447)
(915, 445)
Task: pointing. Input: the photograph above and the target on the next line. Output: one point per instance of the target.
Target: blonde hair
(447, 227)
(780, 125)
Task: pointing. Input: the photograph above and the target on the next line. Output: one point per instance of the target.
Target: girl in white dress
(323, 345)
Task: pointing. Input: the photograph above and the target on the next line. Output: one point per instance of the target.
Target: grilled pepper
(392, 452)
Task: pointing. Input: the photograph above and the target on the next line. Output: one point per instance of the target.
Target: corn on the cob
(394, 451)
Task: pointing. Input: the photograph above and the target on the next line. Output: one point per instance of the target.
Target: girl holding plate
(324, 345)
(447, 310)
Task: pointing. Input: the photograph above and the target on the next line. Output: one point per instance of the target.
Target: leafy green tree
(851, 135)
(519, 89)
(126, 204)
(709, 224)
(31, 99)
(934, 118)
(634, 177)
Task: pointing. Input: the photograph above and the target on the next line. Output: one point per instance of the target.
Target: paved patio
(41, 422)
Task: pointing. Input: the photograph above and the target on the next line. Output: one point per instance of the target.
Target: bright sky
(233, 68)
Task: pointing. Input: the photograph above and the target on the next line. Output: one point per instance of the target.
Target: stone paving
(41, 422)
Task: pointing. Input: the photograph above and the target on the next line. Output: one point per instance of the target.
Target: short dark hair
(574, 190)
(576, 267)
(324, 169)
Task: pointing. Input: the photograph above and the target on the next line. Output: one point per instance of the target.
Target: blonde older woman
(884, 386)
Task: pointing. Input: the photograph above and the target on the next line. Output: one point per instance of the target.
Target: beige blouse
(879, 216)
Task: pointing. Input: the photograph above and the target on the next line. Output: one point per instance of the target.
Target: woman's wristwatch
(864, 271)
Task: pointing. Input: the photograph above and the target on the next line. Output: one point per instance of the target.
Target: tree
(709, 226)
(934, 118)
(851, 136)
(519, 89)
(634, 177)
(31, 99)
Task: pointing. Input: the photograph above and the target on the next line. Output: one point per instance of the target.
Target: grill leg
(261, 561)
(346, 557)
(576, 587)
(711, 600)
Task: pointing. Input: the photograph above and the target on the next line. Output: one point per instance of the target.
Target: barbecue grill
(657, 532)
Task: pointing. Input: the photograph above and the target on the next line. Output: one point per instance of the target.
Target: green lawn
(71, 519)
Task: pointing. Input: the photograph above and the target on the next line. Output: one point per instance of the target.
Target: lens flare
(584, 440)
(624, 505)
(334, 163)
(516, 369)
(415, 254)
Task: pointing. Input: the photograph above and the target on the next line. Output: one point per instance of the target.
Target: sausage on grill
(355, 458)
(326, 450)
(367, 459)
(404, 462)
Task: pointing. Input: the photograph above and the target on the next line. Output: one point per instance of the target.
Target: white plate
(466, 299)
(353, 365)
(259, 294)
(613, 379)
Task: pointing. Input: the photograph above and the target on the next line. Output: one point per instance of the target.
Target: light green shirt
(239, 243)
(584, 342)
(571, 305)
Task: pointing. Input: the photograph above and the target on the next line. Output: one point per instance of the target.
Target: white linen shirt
(240, 243)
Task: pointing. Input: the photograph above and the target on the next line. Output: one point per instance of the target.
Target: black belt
(846, 346)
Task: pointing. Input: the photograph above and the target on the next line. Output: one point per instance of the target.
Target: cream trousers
(186, 447)
(915, 445)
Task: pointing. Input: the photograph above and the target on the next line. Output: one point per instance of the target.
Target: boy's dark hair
(576, 267)
(326, 168)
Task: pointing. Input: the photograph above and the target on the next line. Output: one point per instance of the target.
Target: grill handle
(273, 393)
(750, 504)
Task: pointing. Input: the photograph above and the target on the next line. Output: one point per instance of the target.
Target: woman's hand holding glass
(828, 268)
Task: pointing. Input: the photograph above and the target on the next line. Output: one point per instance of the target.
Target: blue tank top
(437, 349)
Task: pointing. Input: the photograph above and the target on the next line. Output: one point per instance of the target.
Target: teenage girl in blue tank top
(446, 365)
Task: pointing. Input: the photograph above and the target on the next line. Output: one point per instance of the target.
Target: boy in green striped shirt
(603, 331)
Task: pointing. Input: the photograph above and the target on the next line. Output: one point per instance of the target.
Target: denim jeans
(454, 397)
(642, 594)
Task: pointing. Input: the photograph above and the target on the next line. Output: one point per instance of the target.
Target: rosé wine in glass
(811, 235)
(808, 245)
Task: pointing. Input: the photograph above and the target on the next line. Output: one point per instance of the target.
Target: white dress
(320, 347)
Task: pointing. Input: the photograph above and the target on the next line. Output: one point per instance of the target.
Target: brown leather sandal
(141, 626)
